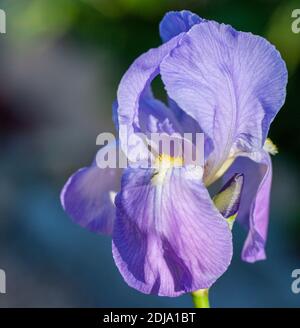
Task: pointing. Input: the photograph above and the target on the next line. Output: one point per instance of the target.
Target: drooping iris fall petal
(88, 197)
(169, 238)
(254, 207)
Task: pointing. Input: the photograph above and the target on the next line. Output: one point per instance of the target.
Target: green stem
(200, 299)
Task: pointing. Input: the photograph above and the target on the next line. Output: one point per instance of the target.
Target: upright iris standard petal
(176, 22)
(155, 116)
(254, 208)
(233, 83)
(131, 89)
(168, 237)
(88, 197)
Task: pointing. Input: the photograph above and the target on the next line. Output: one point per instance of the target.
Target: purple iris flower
(169, 236)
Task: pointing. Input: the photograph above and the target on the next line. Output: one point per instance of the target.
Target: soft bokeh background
(60, 64)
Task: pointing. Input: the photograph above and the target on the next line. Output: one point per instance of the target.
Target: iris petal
(155, 116)
(87, 197)
(254, 207)
(176, 22)
(233, 83)
(168, 237)
(132, 88)
(139, 112)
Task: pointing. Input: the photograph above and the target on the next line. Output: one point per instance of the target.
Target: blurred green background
(60, 63)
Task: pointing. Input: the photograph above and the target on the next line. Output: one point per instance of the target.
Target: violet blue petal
(254, 208)
(190, 125)
(168, 237)
(176, 22)
(233, 83)
(132, 87)
(88, 197)
(115, 114)
(155, 116)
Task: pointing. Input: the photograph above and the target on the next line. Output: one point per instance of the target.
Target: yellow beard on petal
(163, 163)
